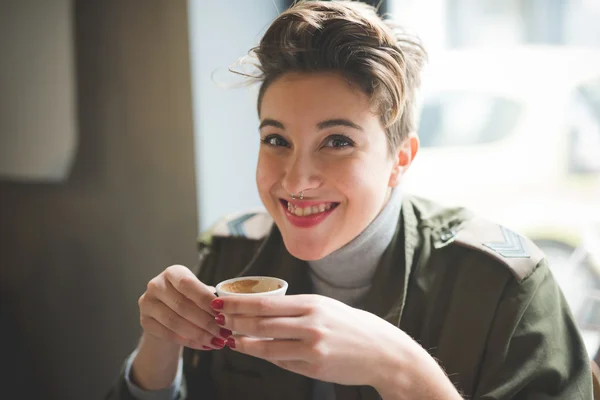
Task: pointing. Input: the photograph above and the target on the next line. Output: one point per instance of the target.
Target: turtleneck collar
(353, 265)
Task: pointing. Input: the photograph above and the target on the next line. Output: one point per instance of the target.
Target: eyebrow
(271, 122)
(330, 123)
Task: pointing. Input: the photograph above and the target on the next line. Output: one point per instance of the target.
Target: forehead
(315, 96)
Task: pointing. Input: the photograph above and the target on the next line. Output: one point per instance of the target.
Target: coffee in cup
(252, 286)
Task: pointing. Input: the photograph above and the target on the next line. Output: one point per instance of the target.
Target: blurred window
(584, 129)
(590, 91)
(466, 119)
(589, 317)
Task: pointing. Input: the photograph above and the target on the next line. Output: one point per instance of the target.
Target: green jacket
(480, 298)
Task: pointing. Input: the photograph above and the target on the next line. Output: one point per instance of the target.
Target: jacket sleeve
(205, 272)
(534, 349)
(120, 390)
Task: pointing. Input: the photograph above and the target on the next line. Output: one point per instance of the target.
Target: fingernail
(220, 319)
(231, 343)
(225, 332)
(217, 304)
(217, 342)
(207, 348)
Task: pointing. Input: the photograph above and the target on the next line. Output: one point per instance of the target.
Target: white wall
(225, 120)
(37, 90)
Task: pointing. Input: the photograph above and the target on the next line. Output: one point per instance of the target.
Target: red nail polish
(231, 343)
(217, 304)
(220, 319)
(217, 342)
(207, 348)
(225, 332)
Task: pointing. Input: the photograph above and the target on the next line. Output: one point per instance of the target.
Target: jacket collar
(387, 295)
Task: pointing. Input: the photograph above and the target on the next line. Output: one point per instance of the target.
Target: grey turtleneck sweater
(346, 274)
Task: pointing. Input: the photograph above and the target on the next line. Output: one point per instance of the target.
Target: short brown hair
(350, 38)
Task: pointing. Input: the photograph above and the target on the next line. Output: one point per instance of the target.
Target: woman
(390, 296)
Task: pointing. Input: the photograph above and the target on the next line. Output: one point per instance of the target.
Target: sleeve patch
(519, 254)
(511, 246)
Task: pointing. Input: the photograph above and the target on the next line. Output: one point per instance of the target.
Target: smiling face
(320, 136)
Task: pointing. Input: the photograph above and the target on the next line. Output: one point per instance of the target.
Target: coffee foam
(251, 286)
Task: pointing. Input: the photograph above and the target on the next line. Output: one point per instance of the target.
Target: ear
(403, 158)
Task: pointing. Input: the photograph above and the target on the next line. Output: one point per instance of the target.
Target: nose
(301, 174)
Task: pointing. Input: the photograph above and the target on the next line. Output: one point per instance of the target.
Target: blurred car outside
(514, 135)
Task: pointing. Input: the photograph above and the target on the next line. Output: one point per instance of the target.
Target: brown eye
(275, 141)
(338, 142)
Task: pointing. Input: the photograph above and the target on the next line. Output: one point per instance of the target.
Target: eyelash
(267, 140)
(346, 141)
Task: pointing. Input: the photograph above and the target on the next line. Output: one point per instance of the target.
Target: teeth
(304, 212)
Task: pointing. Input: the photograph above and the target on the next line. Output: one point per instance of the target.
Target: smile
(305, 214)
(310, 210)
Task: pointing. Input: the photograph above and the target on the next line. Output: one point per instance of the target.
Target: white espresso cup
(252, 286)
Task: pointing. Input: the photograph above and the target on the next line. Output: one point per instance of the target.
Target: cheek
(362, 181)
(365, 186)
(266, 173)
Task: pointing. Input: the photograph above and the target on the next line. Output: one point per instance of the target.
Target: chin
(307, 250)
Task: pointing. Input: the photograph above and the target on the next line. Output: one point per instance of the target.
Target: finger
(177, 324)
(186, 283)
(188, 309)
(270, 327)
(274, 306)
(270, 350)
(160, 331)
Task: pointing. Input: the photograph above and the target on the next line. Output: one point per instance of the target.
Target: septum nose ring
(301, 197)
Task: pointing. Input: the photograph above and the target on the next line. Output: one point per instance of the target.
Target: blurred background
(122, 138)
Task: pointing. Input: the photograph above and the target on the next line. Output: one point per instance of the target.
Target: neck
(353, 265)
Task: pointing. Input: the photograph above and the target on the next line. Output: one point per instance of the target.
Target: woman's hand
(313, 335)
(174, 312)
(176, 309)
(324, 339)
